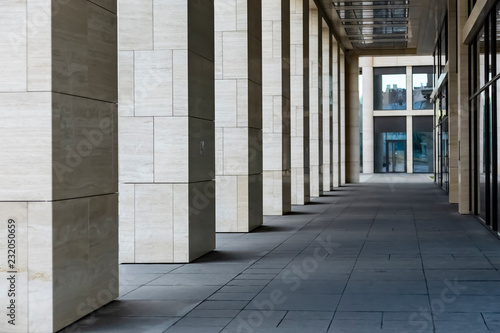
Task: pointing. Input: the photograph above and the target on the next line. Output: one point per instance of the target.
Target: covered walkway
(387, 255)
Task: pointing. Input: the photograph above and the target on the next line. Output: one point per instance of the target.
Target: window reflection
(389, 88)
(422, 87)
(390, 144)
(423, 151)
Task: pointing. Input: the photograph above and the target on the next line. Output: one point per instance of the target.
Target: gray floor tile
(193, 279)
(468, 303)
(383, 302)
(387, 287)
(465, 287)
(354, 325)
(309, 315)
(463, 274)
(200, 313)
(301, 302)
(147, 308)
(222, 305)
(255, 319)
(95, 324)
(203, 322)
(374, 316)
(395, 249)
(184, 329)
(222, 296)
(171, 293)
(492, 320)
(460, 326)
(294, 285)
(132, 269)
(138, 279)
(241, 289)
(305, 323)
(387, 274)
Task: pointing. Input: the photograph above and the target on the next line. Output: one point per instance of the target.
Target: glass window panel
(445, 174)
(389, 88)
(422, 87)
(444, 44)
(390, 144)
(497, 39)
(482, 157)
(481, 49)
(423, 150)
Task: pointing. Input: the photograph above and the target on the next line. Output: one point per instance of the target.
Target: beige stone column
(453, 107)
(352, 120)
(343, 130)
(327, 108)
(409, 141)
(366, 63)
(315, 100)
(463, 111)
(167, 150)
(276, 106)
(409, 122)
(299, 99)
(58, 170)
(238, 115)
(336, 113)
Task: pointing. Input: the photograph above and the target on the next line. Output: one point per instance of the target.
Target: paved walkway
(387, 255)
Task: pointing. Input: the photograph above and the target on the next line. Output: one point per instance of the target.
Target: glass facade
(441, 137)
(398, 148)
(390, 144)
(422, 81)
(423, 149)
(483, 105)
(389, 88)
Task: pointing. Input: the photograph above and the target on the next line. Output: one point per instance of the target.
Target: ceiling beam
(374, 25)
(373, 41)
(371, 7)
(382, 52)
(375, 19)
(376, 35)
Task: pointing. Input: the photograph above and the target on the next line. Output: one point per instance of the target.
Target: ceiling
(372, 27)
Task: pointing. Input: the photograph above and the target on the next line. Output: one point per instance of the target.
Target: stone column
(342, 119)
(409, 141)
(366, 63)
(299, 99)
(327, 108)
(315, 100)
(352, 120)
(453, 107)
(409, 122)
(238, 115)
(167, 150)
(276, 106)
(463, 111)
(58, 171)
(336, 112)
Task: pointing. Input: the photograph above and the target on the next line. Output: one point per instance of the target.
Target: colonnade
(133, 130)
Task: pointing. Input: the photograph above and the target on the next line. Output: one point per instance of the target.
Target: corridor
(387, 255)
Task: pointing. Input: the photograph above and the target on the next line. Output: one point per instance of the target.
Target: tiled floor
(387, 255)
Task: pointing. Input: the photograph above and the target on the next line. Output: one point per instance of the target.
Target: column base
(66, 261)
(166, 223)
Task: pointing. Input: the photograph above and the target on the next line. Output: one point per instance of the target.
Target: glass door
(396, 156)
